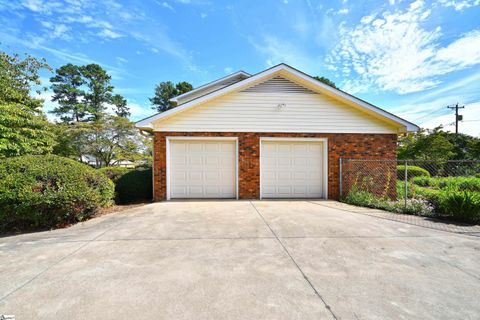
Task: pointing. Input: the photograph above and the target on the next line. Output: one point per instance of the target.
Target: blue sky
(410, 57)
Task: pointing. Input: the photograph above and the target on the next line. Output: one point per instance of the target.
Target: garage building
(277, 134)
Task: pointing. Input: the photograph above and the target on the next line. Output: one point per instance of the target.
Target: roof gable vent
(278, 85)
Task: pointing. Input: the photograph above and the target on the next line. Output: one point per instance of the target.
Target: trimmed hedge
(114, 173)
(413, 171)
(49, 191)
(135, 186)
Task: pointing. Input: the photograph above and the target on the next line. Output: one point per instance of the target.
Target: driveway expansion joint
(295, 263)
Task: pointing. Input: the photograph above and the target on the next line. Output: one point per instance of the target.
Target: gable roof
(292, 74)
(211, 86)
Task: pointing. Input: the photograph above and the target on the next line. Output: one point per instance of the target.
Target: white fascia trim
(409, 126)
(215, 82)
(325, 158)
(293, 139)
(147, 123)
(200, 138)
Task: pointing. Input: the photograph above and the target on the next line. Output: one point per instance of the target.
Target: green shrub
(367, 199)
(424, 181)
(48, 191)
(135, 186)
(452, 183)
(460, 183)
(114, 173)
(460, 205)
(413, 171)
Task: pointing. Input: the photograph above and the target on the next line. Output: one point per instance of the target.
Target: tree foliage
(67, 88)
(165, 91)
(22, 131)
(100, 90)
(84, 92)
(120, 104)
(326, 81)
(23, 127)
(109, 139)
(438, 145)
(18, 78)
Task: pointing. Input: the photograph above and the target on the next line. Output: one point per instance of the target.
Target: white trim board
(168, 139)
(287, 71)
(210, 84)
(280, 139)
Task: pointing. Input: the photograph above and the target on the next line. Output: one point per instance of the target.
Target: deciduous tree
(19, 77)
(23, 127)
(109, 139)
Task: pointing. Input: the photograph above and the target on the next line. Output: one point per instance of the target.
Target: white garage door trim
(169, 139)
(325, 158)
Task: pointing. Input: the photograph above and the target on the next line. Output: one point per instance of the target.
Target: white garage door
(292, 169)
(202, 169)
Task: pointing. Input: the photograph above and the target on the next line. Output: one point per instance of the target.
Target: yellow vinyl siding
(259, 112)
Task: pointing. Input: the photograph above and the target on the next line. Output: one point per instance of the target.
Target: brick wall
(346, 145)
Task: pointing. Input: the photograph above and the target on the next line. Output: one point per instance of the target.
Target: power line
(431, 112)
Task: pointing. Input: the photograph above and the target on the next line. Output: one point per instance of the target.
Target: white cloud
(167, 5)
(121, 60)
(107, 33)
(60, 31)
(228, 70)
(343, 11)
(463, 52)
(394, 52)
(41, 6)
(107, 19)
(459, 5)
(203, 15)
(282, 51)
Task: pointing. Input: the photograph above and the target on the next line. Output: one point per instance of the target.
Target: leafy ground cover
(453, 198)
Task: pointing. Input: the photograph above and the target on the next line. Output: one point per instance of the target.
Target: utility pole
(458, 117)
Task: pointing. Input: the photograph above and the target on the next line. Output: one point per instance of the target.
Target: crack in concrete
(295, 263)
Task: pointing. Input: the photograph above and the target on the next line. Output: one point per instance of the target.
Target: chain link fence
(435, 188)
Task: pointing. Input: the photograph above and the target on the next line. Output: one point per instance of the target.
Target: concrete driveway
(240, 260)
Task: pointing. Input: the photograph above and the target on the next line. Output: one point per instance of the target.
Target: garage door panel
(202, 169)
(299, 190)
(228, 148)
(179, 176)
(291, 169)
(194, 147)
(300, 176)
(284, 175)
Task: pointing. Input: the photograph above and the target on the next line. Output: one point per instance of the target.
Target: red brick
(345, 145)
